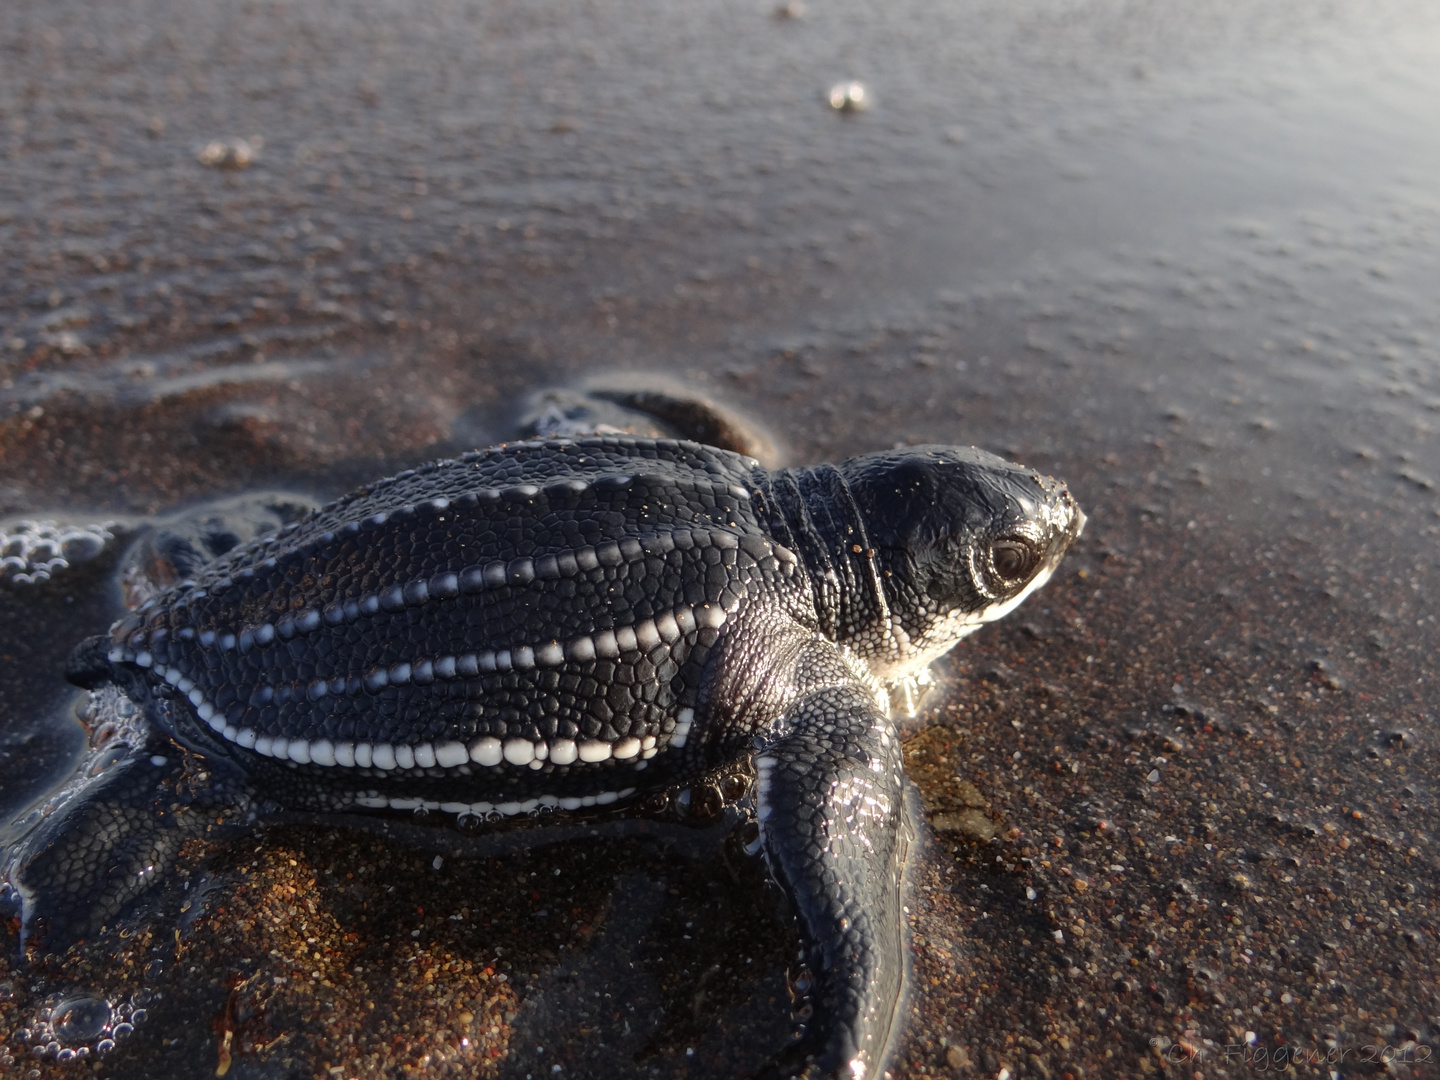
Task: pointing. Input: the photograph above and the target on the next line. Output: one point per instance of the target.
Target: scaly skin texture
(553, 626)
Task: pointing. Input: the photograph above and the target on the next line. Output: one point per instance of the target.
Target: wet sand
(1180, 807)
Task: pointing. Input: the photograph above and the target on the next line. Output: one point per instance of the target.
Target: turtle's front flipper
(832, 827)
(115, 829)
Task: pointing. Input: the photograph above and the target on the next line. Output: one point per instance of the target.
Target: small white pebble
(849, 97)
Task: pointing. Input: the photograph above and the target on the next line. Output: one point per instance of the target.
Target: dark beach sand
(1181, 806)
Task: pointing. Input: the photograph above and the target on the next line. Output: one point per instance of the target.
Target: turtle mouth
(1000, 610)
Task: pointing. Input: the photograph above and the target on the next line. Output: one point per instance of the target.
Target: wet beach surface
(1180, 807)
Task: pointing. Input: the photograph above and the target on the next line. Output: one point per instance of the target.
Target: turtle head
(959, 538)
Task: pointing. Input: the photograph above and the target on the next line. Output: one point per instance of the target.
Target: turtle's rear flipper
(112, 834)
(179, 547)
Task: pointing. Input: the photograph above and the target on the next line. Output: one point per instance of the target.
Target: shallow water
(1180, 804)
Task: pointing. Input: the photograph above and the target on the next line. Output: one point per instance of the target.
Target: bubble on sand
(32, 551)
(80, 1020)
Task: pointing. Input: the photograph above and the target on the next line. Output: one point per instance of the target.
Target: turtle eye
(1012, 559)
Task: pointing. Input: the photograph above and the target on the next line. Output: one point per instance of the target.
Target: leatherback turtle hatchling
(556, 625)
